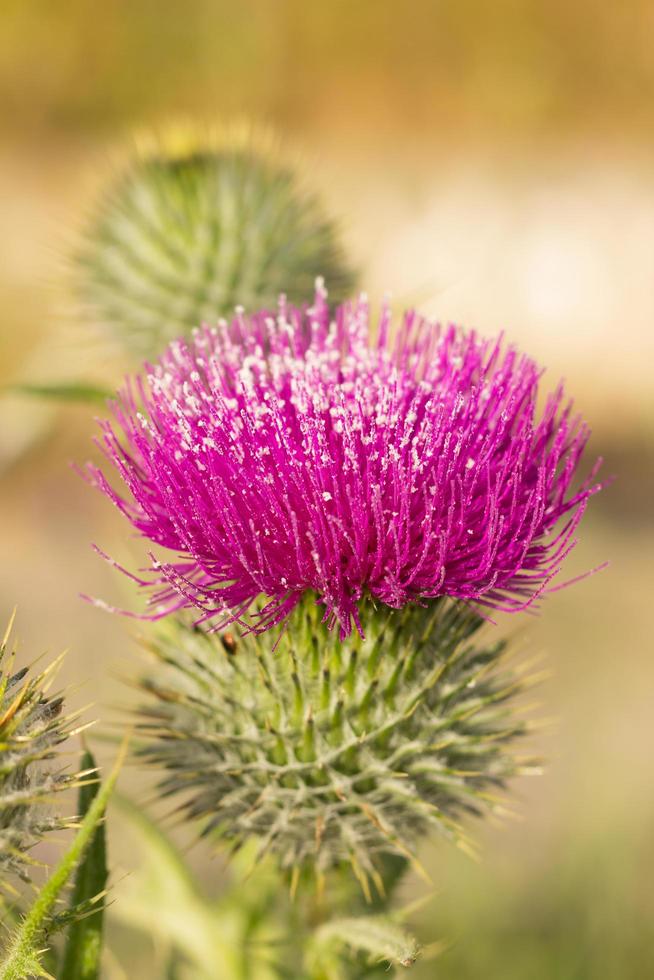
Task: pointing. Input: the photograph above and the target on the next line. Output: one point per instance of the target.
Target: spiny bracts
(32, 728)
(194, 226)
(318, 451)
(333, 752)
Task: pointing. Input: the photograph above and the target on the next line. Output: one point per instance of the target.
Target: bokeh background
(493, 163)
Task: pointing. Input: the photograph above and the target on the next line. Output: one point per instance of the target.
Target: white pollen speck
(326, 495)
(470, 463)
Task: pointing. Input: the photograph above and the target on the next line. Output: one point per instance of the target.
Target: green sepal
(277, 740)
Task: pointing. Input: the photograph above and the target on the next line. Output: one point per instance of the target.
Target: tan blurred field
(493, 164)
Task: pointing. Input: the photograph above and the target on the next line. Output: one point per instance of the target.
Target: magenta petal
(285, 453)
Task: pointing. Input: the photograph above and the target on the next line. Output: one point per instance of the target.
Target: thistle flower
(194, 224)
(329, 752)
(315, 452)
(32, 728)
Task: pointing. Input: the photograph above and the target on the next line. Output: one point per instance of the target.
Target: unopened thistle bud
(32, 728)
(196, 224)
(334, 752)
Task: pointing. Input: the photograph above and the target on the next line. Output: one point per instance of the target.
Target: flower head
(313, 451)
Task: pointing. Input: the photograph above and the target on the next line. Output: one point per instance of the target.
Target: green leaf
(64, 391)
(233, 936)
(166, 902)
(23, 957)
(82, 954)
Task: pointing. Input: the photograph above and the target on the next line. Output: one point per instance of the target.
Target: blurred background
(491, 163)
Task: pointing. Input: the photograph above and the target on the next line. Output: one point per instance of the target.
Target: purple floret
(316, 450)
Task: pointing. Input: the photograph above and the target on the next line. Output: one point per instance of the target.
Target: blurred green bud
(196, 224)
(333, 752)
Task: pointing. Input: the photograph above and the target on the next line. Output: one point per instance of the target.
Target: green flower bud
(32, 727)
(333, 752)
(195, 225)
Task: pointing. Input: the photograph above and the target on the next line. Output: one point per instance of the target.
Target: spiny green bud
(332, 751)
(32, 727)
(195, 225)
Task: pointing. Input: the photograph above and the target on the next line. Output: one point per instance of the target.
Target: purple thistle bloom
(307, 451)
